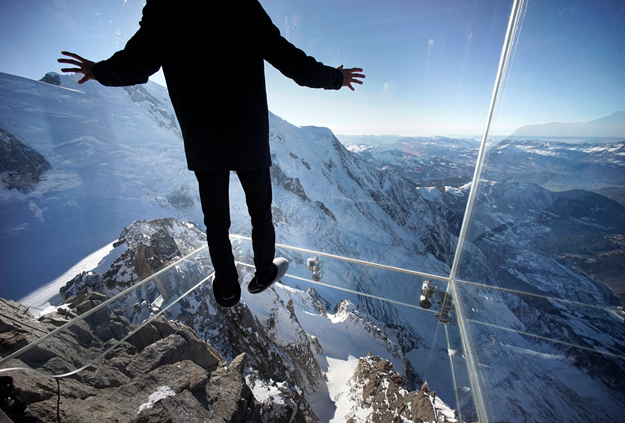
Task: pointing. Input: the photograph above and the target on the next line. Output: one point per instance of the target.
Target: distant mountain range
(612, 126)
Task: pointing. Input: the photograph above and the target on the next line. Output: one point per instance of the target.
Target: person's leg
(258, 195)
(216, 207)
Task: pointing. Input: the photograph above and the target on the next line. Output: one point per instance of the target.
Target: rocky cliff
(162, 373)
(21, 167)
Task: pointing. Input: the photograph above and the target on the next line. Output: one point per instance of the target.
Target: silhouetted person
(212, 55)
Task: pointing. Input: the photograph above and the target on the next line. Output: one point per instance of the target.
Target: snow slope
(116, 156)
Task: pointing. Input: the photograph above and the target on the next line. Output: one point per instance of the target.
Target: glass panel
(539, 359)
(103, 323)
(323, 304)
(538, 271)
(107, 157)
(430, 69)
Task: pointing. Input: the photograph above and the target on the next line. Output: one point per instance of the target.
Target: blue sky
(430, 65)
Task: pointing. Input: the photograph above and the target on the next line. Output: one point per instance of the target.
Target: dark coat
(212, 54)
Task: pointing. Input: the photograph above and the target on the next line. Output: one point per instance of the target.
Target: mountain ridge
(611, 126)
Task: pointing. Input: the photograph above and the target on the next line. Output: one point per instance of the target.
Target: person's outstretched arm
(295, 64)
(132, 65)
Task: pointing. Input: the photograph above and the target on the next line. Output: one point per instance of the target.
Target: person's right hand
(350, 75)
(84, 66)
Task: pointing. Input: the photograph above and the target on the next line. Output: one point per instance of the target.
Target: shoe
(222, 300)
(281, 266)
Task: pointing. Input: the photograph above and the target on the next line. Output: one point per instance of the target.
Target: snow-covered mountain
(528, 239)
(514, 228)
(434, 161)
(302, 351)
(116, 158)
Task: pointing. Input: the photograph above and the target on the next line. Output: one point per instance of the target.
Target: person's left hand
(84, 66)
(350, 75)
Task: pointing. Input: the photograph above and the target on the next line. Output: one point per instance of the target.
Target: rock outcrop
(379, 390)
(162, 373)
(21, 167)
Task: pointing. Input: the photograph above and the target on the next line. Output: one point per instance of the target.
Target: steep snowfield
(114, 160)
(116, 157)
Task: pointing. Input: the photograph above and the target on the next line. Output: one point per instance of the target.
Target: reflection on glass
(572, 356)
(537, 272)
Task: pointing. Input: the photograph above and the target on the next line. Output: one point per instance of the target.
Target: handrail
(139, 327)
(351, 291)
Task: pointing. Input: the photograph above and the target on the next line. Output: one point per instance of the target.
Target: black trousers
(214, 190)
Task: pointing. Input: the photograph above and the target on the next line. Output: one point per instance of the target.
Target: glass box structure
(503, 270)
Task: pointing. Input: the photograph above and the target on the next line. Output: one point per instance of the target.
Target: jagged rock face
(21, 167)
(399, 200)
(51, 78)
(293, 363)
(290, 184)
(341, 197)
(381, 398)
(127, 385)
(17, 328)
(150, 245)
(283, 356)
(144, 248)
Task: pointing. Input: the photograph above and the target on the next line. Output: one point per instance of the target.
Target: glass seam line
(99, 307)
(147, 280)
(356, 261)
(375, 297)
(620, 357)
(82, 317)
(143, 324)
(453, 374)
(503, 62)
